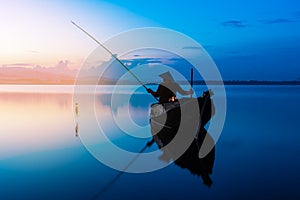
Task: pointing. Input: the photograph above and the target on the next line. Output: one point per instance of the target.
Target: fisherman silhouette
(167, 90)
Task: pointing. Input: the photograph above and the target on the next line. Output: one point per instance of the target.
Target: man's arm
(155, 94)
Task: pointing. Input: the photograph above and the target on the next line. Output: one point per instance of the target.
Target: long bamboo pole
(113, 55)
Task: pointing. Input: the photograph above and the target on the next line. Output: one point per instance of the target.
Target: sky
(255, 39)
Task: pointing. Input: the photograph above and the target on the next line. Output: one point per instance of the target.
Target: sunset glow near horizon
(40, 33)
(247, 40)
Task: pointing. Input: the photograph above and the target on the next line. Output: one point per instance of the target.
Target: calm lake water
(257, 155)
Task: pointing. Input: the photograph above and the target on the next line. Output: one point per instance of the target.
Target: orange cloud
(26, 73)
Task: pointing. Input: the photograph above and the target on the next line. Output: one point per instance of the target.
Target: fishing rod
(113, 55)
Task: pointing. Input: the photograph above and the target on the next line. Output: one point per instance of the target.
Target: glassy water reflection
(35, 122)
(257, 155)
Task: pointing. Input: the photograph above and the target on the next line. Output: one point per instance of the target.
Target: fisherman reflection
(167, 90)
(190, 158)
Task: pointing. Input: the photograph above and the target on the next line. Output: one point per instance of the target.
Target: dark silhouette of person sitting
(167, 90)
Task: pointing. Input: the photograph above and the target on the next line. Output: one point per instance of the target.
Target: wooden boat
(166, 119)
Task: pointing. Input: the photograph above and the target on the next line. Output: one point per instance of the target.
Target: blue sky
(246, 39)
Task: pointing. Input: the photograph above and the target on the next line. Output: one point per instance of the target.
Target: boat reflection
(190, 160)
(201, 167)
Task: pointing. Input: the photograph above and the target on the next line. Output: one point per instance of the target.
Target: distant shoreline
(197, 82)
(250, 82)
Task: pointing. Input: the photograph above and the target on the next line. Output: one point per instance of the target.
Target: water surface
(257, 155)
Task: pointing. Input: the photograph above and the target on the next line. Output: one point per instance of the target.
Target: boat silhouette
(166, 121)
